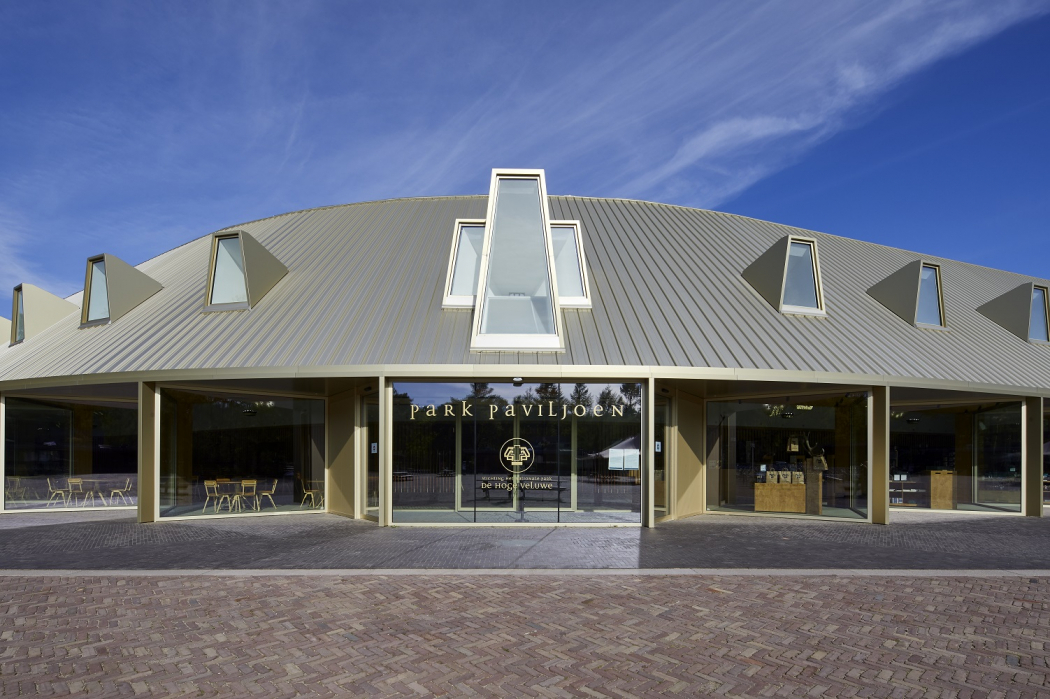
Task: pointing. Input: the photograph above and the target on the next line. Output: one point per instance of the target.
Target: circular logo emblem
(516, 455)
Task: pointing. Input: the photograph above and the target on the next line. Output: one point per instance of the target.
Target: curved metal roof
(365, 286)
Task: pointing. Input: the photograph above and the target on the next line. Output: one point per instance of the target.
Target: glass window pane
(929, 298)
(63, 453)
(240, 453)
(20, 319)
(517, 300)
(567, 262)
(803, 456)
(498, 453)
(98, 295)
(228, 285)
(800, 285)
(468, 261)
(956, 458)
(1037, 329)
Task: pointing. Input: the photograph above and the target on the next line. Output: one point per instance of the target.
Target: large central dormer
(517, 264)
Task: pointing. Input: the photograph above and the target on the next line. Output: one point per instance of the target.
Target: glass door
(489, 490)
(544, 483)
(661, 482)
(370, 475)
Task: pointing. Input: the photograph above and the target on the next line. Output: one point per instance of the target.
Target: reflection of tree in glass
(632, 396)
(608, 398)
(480, 393)
(581, 395)
(526, 398)
(550, 392)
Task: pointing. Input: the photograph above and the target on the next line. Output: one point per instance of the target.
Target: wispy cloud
(164, 122)
(695, 106)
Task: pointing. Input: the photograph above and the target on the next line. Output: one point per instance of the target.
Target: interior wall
(690, 475)
(341, 498)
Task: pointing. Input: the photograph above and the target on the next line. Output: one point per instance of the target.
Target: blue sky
(132, 127)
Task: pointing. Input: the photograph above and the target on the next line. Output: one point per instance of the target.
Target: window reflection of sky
(438, 393)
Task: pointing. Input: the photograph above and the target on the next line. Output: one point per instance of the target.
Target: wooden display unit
(780, 497)
(942, 490)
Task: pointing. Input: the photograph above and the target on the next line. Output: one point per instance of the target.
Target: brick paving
(915, 541)
(524, 635)
(524, 611)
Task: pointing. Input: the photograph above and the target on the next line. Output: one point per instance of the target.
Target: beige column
(879, 496)
(342, 455)
(690, 478)
(149, 454)
(3, 449)
(649, 468)
(1033, 457)
(386, 452)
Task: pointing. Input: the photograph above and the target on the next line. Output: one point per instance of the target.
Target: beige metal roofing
(366, 281)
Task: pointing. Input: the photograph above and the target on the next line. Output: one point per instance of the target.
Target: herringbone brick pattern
(535, 636)
(113, 541)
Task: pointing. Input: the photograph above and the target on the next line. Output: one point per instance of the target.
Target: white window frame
(514, 342)
(1046, 314)
(803, 310)
(940, 298)
(460, 301)
(575, 301)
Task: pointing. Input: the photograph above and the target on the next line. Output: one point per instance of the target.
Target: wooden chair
(268, 494)
(14, 489)
(76, 487)
(60, 493)
(211, 490)
(121, 493)
(316, 496)
(93, 488)
(247, 497)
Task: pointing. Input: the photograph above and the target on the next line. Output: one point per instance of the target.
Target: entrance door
(370, 474)
(661, 480)
(488, 490)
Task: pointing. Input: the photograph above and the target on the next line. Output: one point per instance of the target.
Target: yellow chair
(316, 496)
(76, 487)
(247, 497)
(121, 492)
(14, 489)
(211, 489)
(268, 494)
(60, 493)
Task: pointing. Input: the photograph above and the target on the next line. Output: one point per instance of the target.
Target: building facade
(519, 358)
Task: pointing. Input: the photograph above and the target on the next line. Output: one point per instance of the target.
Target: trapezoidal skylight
(1022, 311)
(240, 273)
(914, 294)
(35, 310)
(1037, 325)
(19, 333)
(930, 310)
(112, 287)
(517, 305)
(787, 275)
(228, 285)
(97, 308)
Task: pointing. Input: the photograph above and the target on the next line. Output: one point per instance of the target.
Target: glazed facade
(523, 359)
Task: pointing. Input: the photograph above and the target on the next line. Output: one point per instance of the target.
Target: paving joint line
(522, 572)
